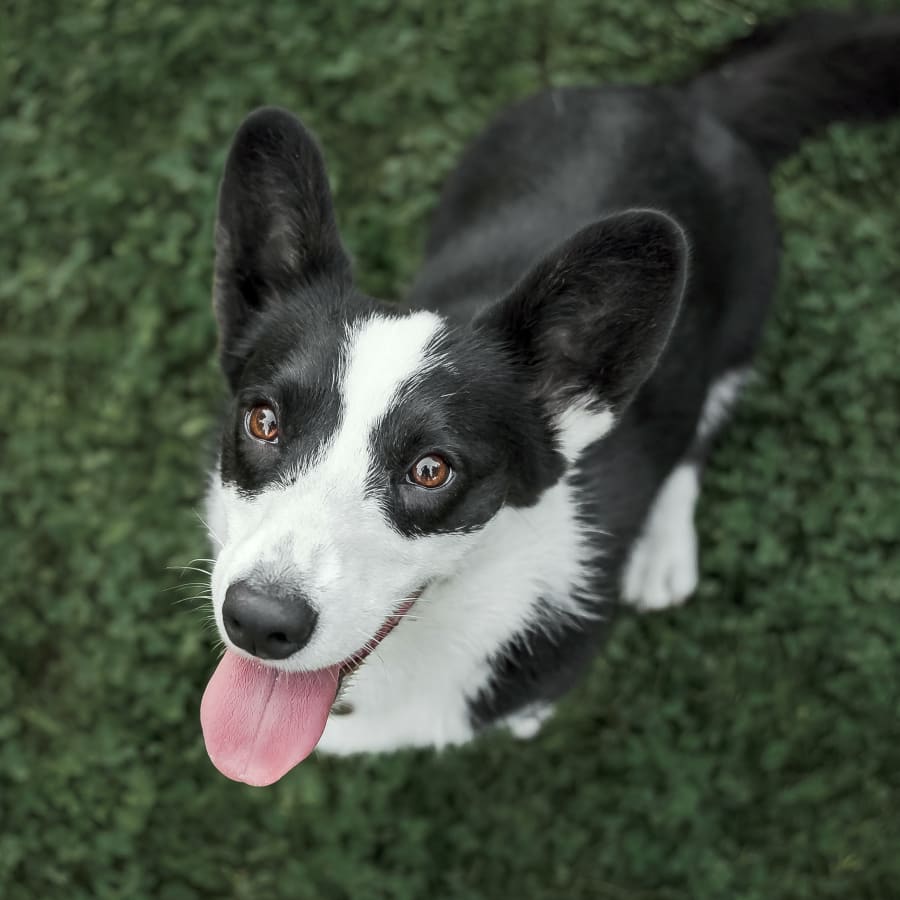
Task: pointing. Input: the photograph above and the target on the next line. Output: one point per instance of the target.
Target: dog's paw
(527, 724)
(662, 570)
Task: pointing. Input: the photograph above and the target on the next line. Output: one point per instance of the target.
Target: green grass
(747, 746)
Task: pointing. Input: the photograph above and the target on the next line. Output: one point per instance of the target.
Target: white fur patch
(527, 724)
(720, 400)
(383, 355)
(580, 425)
(662, 570)
(413, 689)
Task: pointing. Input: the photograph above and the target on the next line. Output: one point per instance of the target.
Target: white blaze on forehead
(381, 355)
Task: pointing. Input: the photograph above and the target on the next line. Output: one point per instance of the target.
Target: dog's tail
(787, 81)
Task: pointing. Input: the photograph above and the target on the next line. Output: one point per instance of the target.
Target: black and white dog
(425, 515)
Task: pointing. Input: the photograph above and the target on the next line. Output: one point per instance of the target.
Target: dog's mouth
(351, 665)
(259, 722)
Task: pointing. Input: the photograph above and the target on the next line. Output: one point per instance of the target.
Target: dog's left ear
(590, 321)
(276, 229)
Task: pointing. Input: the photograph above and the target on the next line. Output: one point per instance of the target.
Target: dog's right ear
(276, 229)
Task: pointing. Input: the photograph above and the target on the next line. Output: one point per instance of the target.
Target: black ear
(592, 318)
(276, 229)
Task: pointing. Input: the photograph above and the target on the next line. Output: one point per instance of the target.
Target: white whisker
(185, 584)
(205, 598)
(190, 569)
(209, 531)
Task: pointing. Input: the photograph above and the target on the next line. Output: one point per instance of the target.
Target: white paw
(662, 570)
(526, 724)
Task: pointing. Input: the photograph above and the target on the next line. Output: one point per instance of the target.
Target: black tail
(786, 81)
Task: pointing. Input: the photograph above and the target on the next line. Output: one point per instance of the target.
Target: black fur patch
(276, 231)
(473, 410)
(538, 665)
(292, 361)
(593, 316)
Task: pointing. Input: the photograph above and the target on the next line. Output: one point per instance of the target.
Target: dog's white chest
(376, 717)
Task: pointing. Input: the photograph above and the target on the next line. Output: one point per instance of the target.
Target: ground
(746, 745)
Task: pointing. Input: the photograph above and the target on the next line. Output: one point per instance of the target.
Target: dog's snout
(269, 622)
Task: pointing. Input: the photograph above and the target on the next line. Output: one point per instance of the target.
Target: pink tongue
(258, 723)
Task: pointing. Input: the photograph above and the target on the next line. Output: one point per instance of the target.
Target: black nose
(270, 622)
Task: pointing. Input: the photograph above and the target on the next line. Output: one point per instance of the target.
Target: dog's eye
(430, 471)
(262, 424)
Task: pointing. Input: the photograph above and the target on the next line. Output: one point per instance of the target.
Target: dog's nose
(270, 622)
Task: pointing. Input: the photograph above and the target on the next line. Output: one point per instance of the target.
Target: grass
(747, 746)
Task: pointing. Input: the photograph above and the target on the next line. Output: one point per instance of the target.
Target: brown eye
(262, 424)
(430, 472)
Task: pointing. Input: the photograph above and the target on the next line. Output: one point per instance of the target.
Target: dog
(427, 514)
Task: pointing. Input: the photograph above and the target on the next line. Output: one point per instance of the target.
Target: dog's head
(366, 449)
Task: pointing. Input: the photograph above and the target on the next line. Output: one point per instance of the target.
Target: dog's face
(360, 459)
(365, 450)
